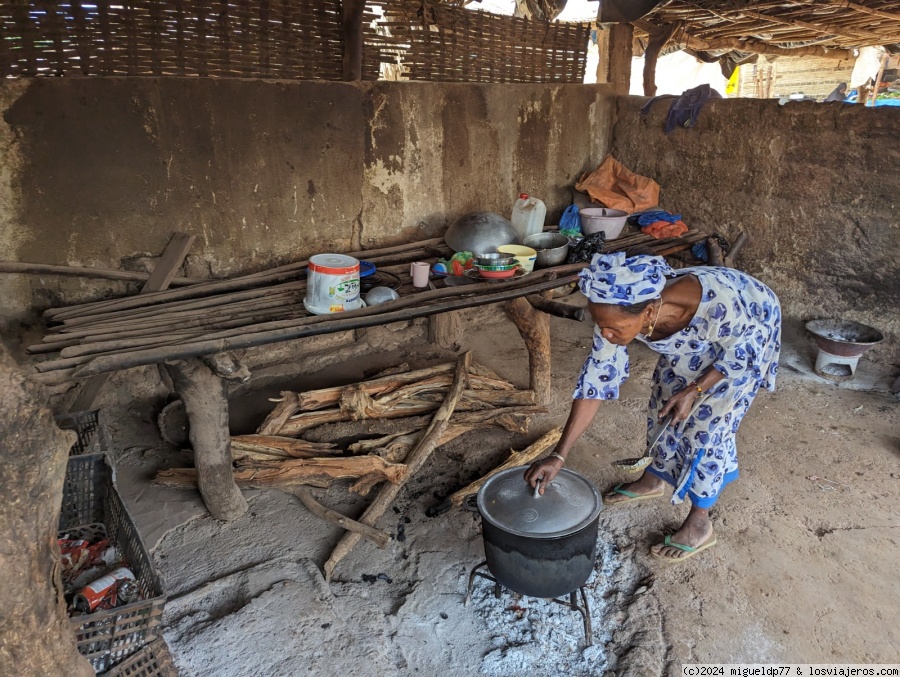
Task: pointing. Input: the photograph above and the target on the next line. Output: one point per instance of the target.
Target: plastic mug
(419, 270)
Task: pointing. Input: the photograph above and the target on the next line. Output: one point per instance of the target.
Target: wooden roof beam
(815, 28)
(855, 6)
(693, 42)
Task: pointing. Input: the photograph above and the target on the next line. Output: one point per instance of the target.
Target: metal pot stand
(572, 603)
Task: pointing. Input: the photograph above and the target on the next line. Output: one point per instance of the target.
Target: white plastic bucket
(332, 284)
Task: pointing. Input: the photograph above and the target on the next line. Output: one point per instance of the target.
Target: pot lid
(569, 504)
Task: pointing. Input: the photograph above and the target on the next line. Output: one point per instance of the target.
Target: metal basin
(480, 232)
(551, 248)
(843, 337)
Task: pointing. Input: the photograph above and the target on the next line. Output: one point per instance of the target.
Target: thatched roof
(775, 27)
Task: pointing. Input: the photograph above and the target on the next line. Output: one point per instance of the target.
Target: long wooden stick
(17, 267)
(377, 536)
(516, 458)
(417, 458)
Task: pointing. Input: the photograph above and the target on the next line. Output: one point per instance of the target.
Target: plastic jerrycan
(528, 216)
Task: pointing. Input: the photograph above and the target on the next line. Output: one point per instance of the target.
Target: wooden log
(417, 458)
(739, 243)
(268, 447)
(287, 406)
(444, 330)
(160, 279)
(315, 472)
(206, 405)
(16, 267)
(312, 400)
(555, 308)
(534, 327)
(714, 252)
(377, 536)
(514, 460)
(359, 406)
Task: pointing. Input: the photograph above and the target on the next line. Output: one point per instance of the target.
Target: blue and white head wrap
(615, 279)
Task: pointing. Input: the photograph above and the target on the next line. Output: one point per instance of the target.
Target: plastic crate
(85, 423)
(90, 497)
(154, 660)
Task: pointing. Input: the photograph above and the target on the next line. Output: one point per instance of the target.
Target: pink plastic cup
(419, 271)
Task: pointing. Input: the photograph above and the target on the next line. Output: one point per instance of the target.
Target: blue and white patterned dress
(737, 330)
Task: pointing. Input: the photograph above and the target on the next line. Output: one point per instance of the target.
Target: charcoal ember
(401, 532)
(584, 250)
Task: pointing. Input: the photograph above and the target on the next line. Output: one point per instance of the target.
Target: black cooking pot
(540, 546)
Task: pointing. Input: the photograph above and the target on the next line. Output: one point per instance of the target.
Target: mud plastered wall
(816, 187)
(101, 171)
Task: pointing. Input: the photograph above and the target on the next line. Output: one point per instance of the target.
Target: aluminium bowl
(551, 248)
(480, 232)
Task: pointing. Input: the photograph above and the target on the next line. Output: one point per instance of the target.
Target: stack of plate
(495, 265)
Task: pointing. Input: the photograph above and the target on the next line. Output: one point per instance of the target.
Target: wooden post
(619, 57)
(444, 329)
(351, 23)
(203, 394)
(534, 327)
(656, 44)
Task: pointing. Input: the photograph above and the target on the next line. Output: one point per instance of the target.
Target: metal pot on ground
(540, 546)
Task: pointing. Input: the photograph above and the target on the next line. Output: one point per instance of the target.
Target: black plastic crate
(90, 497)
(153, 660)
(84, 423)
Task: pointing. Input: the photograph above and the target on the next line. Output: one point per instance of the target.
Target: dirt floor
(804, 570)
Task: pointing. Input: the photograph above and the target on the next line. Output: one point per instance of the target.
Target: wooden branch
(377, 536)
(534, 327)
(267, 447)
(865, 10)
(657, 43)
(315, 472)
(516, 458)
(739, 243)
(556, 308)
(416, 460)
(714, 252)
(401, 404)
(814, 27)
(16, 267)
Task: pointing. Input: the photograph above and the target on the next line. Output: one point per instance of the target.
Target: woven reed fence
(296, 39)
(288, 39)
(451, 44)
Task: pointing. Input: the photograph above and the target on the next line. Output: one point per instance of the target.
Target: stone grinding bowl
(551, 248)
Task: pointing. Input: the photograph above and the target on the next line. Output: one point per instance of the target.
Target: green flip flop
(630, 496)
(691, 551)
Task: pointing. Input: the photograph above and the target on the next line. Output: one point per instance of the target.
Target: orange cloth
(663, 229)
(615, 186)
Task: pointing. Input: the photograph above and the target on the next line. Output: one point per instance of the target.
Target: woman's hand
(544, 469)
(680, 405)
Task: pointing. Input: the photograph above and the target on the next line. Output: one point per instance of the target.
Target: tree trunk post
(619, 57)
(203, 394)
(656, 44)
(534, 327)
(351, 22)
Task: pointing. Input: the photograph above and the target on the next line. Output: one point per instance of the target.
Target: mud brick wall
(816, 186)
(100, 172)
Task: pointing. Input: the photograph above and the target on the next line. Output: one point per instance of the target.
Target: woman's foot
(649, 486)
(695, 534)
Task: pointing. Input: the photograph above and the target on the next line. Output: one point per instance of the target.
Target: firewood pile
(427, 407)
